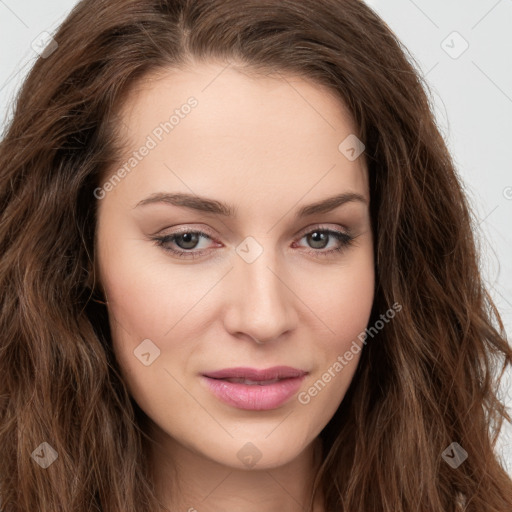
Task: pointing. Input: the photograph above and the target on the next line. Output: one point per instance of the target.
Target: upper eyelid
(323, 227)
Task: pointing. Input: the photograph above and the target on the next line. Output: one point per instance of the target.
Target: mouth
(252, 374)
(253, 389)
(249, 382)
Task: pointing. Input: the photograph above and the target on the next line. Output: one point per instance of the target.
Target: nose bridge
(261, 305)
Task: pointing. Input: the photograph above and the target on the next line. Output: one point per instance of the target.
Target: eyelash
(344, 239)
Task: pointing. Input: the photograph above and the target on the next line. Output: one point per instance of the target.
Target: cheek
(343, 303)
(150, 298)
(342, 298)
(142, 308)
(147, 294)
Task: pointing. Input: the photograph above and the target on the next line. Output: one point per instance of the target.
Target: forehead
(245, 130)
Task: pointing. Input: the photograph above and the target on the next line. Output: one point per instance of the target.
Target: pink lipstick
(253, 389)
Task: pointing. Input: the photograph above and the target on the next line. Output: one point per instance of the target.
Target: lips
(252, 389)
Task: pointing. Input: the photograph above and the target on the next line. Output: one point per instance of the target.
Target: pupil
(190, 240)
(318, 237)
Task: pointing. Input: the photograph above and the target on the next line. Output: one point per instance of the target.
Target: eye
(188, 242)
(320, 237)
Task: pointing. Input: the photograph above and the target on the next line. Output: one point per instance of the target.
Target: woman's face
(256, 277)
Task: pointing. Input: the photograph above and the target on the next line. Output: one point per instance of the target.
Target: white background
(472, 94)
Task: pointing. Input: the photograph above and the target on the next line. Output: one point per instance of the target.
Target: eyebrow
(215, 207)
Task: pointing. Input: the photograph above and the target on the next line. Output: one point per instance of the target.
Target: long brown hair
(427, 380)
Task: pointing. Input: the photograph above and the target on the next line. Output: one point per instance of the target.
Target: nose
(260, 303)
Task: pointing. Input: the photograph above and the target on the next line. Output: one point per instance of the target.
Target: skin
(267, 145)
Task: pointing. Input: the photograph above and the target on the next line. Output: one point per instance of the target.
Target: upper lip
(276, 372)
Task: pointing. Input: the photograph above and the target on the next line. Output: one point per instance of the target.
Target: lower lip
(256, 397)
